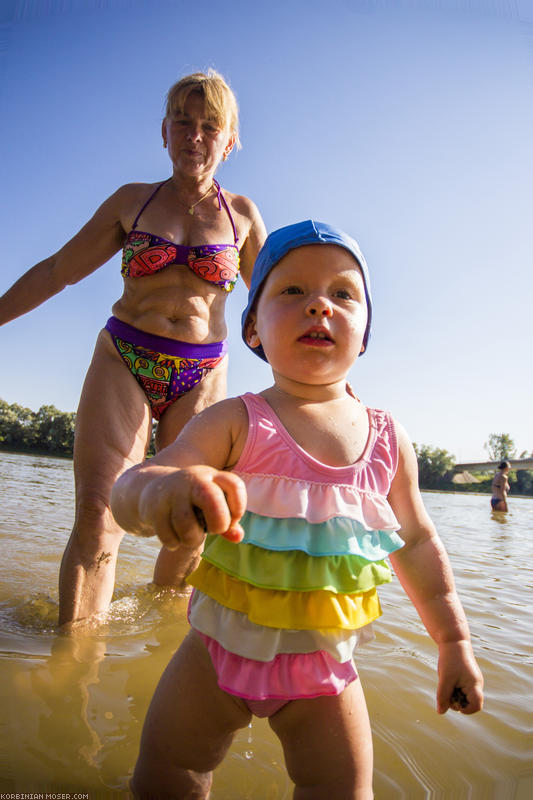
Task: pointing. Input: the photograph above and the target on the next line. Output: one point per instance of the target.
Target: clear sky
(409, 123)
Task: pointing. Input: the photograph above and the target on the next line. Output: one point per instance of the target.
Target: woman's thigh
(327, 744)
(210, 390)
(113, 422)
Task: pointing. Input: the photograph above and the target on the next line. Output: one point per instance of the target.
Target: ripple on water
(137, 610)
(97, 687)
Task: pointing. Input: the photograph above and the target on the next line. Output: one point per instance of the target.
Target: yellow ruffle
(288, 610)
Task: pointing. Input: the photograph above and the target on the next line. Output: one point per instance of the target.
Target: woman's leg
(188, 728)
(174, 566)
(113, 425)
(327, 743)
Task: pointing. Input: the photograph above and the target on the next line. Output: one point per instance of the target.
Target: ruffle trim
(237, 634)
(335, 536)
(287, 610)
(283, 497)
(286, 677)
(294, 570)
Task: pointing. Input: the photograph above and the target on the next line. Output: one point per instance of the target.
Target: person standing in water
(162, 354)
(500, 487)
(305, 492)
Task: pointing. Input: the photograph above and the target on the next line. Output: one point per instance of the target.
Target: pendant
(191, 211)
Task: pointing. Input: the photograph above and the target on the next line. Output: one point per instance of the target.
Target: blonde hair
(220, 101)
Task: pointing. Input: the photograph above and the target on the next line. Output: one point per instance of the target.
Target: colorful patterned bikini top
(144, 254)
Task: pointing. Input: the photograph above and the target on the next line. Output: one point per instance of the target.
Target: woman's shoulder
(128, 199)
(136, 191)
(128, 196)
(250, 227)
(242, 205)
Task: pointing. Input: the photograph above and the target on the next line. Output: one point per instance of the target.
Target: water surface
(72, 707)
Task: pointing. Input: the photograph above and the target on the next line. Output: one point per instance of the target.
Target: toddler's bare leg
(327, 743)
(188, 728)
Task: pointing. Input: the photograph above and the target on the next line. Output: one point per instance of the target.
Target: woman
(500, 487)
(166, 339)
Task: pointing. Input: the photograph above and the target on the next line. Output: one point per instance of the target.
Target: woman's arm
(424, 571)
(165, 494)
(253, 242)
(91, 247)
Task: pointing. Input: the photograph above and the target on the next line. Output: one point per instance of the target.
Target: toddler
(305, 493)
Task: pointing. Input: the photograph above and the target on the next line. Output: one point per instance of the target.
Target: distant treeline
(50, 431)
(47, 431)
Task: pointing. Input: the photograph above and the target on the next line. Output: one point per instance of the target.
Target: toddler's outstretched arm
(184, 491)
(424, 571)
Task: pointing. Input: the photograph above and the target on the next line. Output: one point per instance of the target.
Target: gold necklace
(190, 209)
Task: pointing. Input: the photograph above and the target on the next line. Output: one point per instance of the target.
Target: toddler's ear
(250, 331)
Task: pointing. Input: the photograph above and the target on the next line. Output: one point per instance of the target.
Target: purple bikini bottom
(165, 368)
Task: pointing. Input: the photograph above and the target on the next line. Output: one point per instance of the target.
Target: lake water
(73, 707)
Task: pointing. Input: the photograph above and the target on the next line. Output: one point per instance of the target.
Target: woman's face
(196, 144)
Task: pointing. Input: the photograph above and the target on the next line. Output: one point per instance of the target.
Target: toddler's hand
(181, 506)
(460, 679)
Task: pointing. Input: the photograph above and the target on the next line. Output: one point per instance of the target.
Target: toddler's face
(311, 316)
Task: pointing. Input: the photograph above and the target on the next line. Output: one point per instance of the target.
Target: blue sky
(407, 123)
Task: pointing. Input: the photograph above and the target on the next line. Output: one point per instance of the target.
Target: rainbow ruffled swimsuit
(282, 612)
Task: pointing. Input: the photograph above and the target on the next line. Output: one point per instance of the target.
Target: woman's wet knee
(95, 525)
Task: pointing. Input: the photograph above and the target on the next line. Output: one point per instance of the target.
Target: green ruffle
(295, 570)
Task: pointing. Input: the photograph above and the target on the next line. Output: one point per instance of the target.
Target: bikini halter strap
(220, 197)
(157, 188)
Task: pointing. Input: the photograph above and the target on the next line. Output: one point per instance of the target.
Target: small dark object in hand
(199, 514)
(459, 698)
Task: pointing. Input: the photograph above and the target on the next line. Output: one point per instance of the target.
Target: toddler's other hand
(460, 679)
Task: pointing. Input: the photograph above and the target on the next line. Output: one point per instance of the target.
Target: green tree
(16, 426)
(434, 466)
(54, 430)
(524, 482)
(47, 430)
(500, 447)
(524, 477)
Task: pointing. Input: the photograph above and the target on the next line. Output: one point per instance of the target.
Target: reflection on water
(74, 705)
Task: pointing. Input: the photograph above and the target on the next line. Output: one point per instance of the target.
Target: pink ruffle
(290, 676)
(282, 496)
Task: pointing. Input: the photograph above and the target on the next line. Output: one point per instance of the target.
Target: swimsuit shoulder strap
(157, 188)
(221, 197)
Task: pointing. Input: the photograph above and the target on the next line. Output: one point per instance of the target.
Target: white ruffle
(281, 496)
(237, 634)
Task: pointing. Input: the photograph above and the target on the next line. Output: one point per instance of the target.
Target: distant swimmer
(500, 487)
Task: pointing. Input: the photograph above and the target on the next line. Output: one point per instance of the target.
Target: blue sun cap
(281, 242)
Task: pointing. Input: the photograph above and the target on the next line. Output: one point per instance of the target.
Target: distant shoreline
(29, 452)
(479, 494)
(34, 452)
